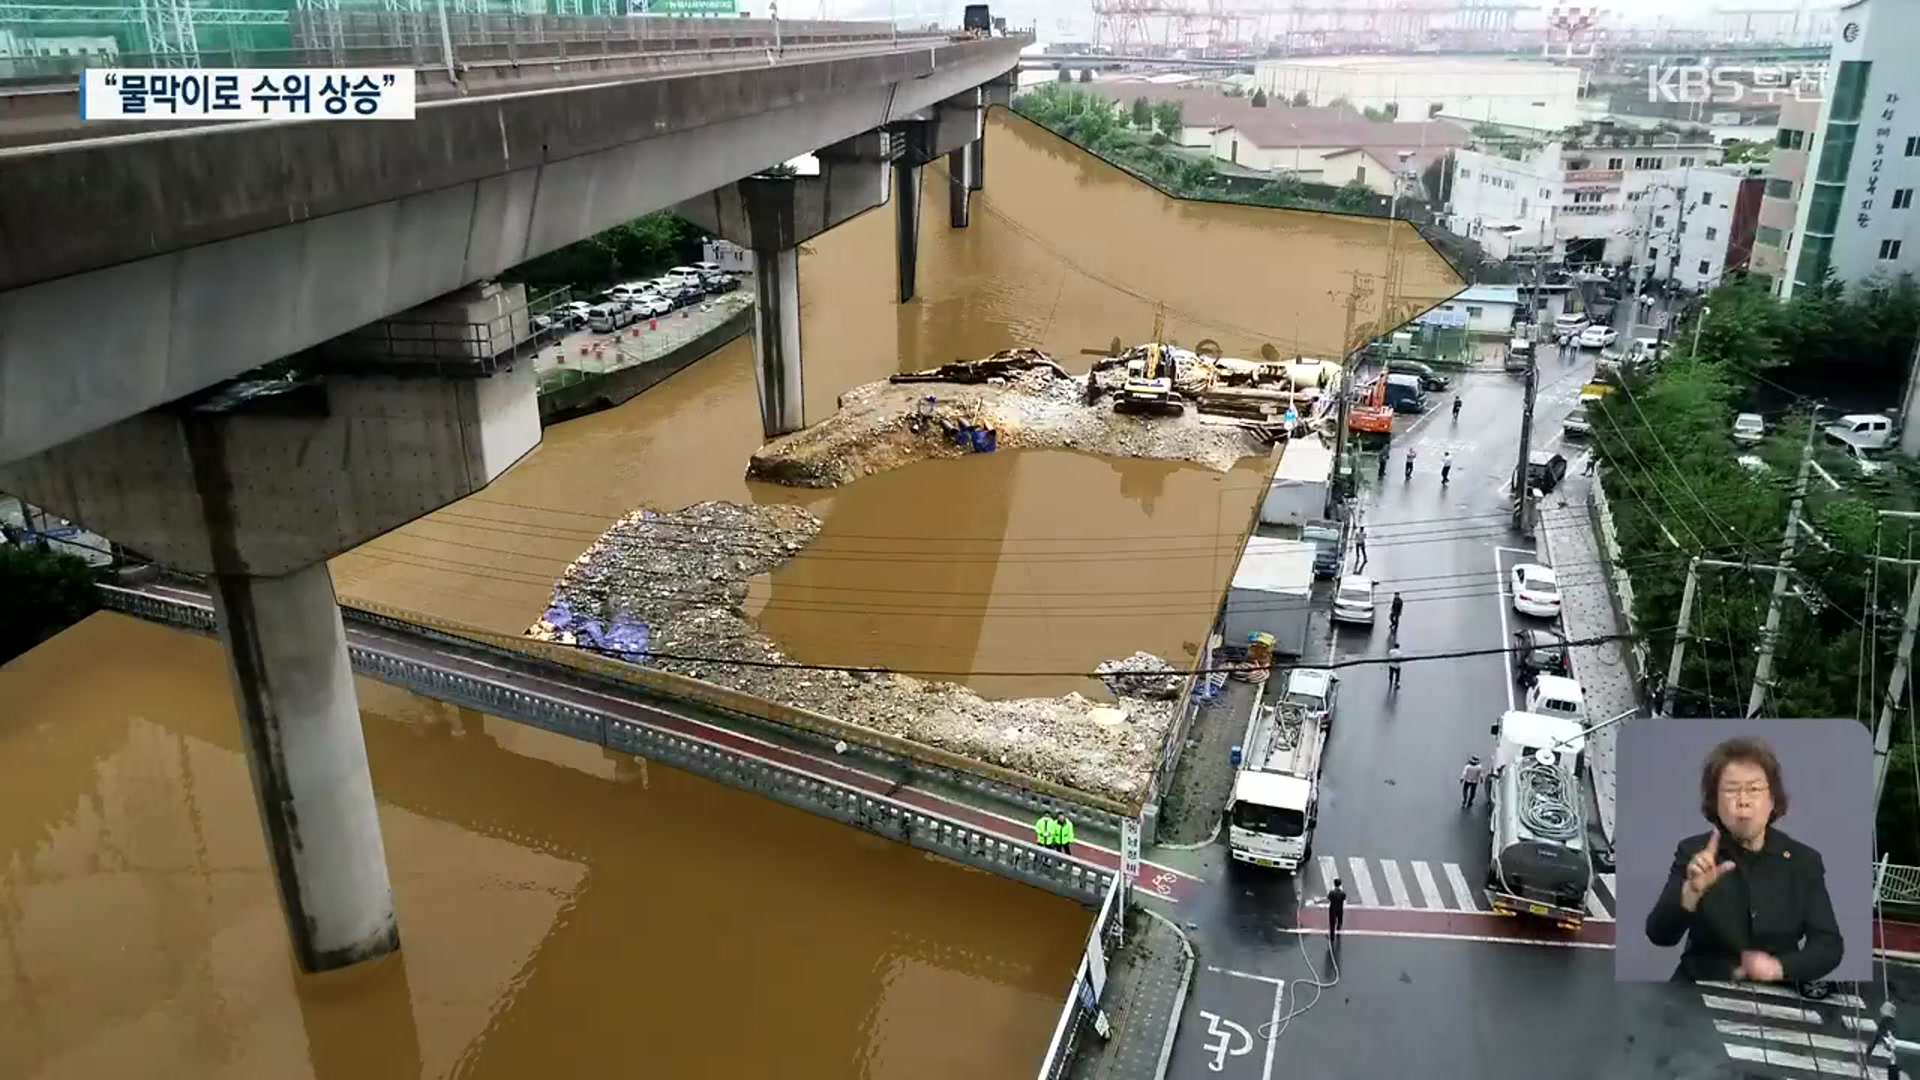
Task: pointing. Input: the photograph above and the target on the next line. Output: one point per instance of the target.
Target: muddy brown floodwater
(1012, 553)
(559, 915)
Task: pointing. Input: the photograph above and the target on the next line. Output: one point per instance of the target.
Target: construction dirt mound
(668, 590)
(1024, 399)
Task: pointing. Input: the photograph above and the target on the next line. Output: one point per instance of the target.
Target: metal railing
(1053, 871)
(414, 39)
(408, 344)
(1076, 1015)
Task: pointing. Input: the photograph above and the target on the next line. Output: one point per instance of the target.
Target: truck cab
(1276, 787)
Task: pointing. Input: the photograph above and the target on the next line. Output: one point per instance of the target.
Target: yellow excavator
(1149, 385)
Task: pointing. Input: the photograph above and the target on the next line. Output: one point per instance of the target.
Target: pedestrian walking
(1393, 616)
(1470, 778)
(1063, 832)
(1393, 668)
(1360, 548)
(1593, 461)
(1336, 909)
(1383, 466)
(1045, 831)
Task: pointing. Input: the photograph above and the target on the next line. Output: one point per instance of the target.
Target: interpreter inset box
(1744, 851)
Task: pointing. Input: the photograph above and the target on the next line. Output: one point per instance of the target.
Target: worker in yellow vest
(1046, 831)
(1063, 834)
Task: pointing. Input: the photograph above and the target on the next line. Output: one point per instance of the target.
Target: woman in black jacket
(1750, 900)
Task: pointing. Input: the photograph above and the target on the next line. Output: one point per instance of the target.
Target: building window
(1836, 154)
(1889, 249)
(1713, 233)
(1902, 198)
(1466, 174)
(1685, 161)
(1360, 175)
(1823, 213)
(1475, 312)
(1653, 254)
(1779, 189)
(1814, 255)
(1913, 146)
(1849, 91)
(1767, 237)
(1615, 163)
(1706, 267)
(1706, 198)
(1523, 206)
(1659, 221)
(1790, 139)
(1649, 162)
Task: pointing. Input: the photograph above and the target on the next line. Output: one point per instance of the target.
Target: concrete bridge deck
(145, 267)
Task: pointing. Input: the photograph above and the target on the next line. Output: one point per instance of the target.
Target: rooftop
(1489, 294)
(1279, 127)
(1205, 105)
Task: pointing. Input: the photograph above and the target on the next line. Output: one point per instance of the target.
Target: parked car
(575, 313)
(650, 305)
(607, 318)
(1538, 652)
(1860, 457)
(1519, 354)
(1545, 470)
(1570, 322)
(1868, 431)
(1353, 602)
(1536, 591)
(1598, 337)
(1404, 394)
(1429, 378)
(1749, 428)
(1579, 421)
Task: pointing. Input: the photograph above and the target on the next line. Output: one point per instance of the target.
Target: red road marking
(1164, 882)
(1467, 924)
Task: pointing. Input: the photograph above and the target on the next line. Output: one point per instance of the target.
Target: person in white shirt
(1470, 778)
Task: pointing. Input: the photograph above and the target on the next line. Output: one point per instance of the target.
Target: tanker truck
(1539, 865)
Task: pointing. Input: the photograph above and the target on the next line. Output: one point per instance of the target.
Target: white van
(1868, 431)
(606, 318)
(1556, 695)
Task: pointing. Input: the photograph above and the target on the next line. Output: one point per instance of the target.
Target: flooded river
(1009, 563)
(569, 911)
(559, 914)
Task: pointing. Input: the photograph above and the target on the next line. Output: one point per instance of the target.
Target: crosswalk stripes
(1415, 885)
(1776, 1027)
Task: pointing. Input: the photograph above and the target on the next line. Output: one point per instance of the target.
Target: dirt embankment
(669, 590)
(1035, 405)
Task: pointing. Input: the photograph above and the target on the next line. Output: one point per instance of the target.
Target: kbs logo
(1735, 85)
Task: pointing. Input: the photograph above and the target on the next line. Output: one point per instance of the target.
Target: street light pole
(1763, 670)
(1698, 322)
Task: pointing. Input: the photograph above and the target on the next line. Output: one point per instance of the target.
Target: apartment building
(1855, 217)
(1700, 227)
(1786, 179)
(1579, 200)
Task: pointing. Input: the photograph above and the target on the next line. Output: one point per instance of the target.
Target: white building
(1577, 201)
(1696, 229)
(1484, 309)
(1855, 216)
(1523, 94)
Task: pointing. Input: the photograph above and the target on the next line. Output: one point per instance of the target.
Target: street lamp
(1697, 324)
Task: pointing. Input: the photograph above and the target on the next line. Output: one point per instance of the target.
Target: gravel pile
(660, 586)
(884, 425)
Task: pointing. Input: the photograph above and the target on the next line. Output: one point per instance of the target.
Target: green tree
(1166, 117)
(1744, 152)
(1301, 100)
(641, 246)
(1437, 178)
(1259, 99)
(41, 594)
(1141, 113)
(1353, 197)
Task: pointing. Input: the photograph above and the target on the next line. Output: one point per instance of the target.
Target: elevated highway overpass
(151, 273)
(1724, 53)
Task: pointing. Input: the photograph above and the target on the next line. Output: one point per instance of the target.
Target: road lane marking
(1328, 871)
(1506, 631)
(1395, 885)
(1273, 1029)
(1429, 889)
(1807, 1039)
(1478, 939)
(1363, 882)
(1246, 975)
(1850, 1001)
(1462, 892)
(1597, 910)
(1755, 1008)
(1782, 1059)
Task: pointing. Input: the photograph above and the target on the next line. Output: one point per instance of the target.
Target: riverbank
(1025, 399)
(670, 589)
(587, 372)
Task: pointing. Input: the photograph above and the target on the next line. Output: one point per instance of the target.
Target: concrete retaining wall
(1619, 584)
(886, 817)
(619, 387)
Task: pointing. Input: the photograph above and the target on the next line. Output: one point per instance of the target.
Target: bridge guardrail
(814, 729)
(1051, 870)
(1076, 1016)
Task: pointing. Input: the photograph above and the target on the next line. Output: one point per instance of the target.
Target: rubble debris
(1021, 399)
(668, 590)
(1141, 675)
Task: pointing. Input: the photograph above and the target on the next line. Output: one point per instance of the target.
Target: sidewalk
(1569, 540)
(1146, 989)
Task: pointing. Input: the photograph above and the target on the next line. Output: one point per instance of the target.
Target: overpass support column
(960, 185)
(914, 155)
(287, 655)
(998, 92)
(772, 215)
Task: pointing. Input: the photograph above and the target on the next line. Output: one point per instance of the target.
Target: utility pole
(1902, 667)
(1522, 485)
(1344, 473)
(1680, 636)
(1769, 635)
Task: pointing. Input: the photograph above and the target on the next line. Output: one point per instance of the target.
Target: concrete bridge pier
(771, 215)
(998, 92)
(256, 483)
(947, 129)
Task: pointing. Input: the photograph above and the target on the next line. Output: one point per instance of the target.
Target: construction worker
(1063, 833)
(1046, 831)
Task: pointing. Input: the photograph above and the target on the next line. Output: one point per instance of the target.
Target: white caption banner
(135, 94)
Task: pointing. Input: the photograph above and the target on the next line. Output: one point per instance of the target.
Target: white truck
(1276, 790)
(1539, 864)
